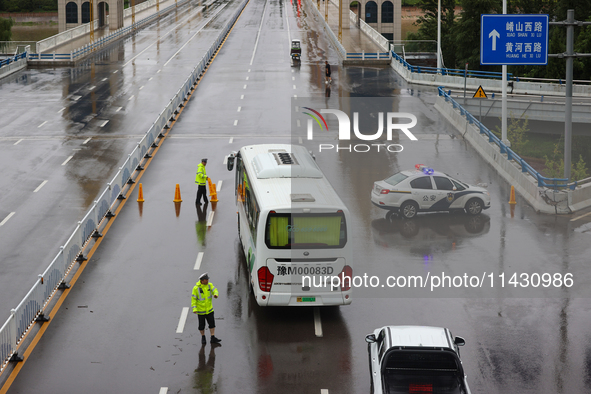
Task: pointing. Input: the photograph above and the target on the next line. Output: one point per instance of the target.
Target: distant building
(385, 16)
(73, 13)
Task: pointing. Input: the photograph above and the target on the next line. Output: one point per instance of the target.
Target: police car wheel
(474, 206)
(409, 209)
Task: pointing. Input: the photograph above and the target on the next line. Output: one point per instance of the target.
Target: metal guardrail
(554, 183)
(12, 59)
(368, 55)
(83, 51)
(451, 71)
(31, 308)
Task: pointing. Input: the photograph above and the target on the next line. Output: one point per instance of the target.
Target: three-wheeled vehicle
(296, 50)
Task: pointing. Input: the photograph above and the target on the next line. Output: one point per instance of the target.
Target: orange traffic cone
(212, 192)
(177, 194)
(512, 198)
(140, 197)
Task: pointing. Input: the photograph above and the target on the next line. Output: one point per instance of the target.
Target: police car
(415, 359)
(426, 190)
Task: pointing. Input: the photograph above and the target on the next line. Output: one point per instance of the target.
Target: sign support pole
(504, 96)
(439, 37)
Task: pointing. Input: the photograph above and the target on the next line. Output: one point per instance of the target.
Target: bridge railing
(554, 183)
(13, 59)
(368, 55)
(32, 307)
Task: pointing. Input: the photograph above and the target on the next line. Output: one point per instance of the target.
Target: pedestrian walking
(200, 180)
(202, 303)
(327, 72)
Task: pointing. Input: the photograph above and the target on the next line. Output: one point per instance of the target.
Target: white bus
(292, 226)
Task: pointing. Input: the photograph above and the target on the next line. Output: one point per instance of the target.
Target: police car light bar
(426, 170)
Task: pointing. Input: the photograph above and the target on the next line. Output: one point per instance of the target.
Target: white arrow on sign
(494, 34)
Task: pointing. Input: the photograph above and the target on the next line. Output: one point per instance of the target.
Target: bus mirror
(371, 338)
(231, 158)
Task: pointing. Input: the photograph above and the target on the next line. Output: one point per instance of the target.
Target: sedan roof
(418, 336)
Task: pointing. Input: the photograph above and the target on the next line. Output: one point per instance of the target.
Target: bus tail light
(346, 278)
(265, 279)
(385, 191)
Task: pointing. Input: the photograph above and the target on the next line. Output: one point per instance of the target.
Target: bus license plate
(306, 299)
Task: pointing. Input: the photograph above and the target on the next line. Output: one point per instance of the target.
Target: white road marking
(231, 140)
(141, 87)
(323, 391)
(210, 219)
(158, 71)
(236, 122)
(40, 186)
(287, 23)
(41, 125)
(163, 390)
(297, 109)
(115, 72)
(118, 109)
(259, 34)
(317, 324)
(242, 97)
(294, 86)
(2, 223)
(76, 98)
(574, 219)
(86, 141)
(193, 36)
(132, 96)
(61, 110)
(249, 70)
(244, 86)
(295, 96)
(18, 142)
(247, 78)
(300, 139)
(225, 160)
(182, 322)
(104, 123)
(239, 108)
(77, 149)
(91, 88)
(293, 78)
(67, 160)
(298, 123)
(198, 261)
(150, 78)
(219, 186)
(104, 79)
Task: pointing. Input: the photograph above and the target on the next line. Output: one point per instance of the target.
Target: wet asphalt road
(117, 330)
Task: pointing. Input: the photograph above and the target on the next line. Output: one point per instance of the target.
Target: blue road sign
(514, 39)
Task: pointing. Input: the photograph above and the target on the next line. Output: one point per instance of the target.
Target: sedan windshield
(395, 179)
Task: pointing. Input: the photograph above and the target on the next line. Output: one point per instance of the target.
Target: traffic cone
(213, 195)
(140, 197)
(177, 194)
(512, 198)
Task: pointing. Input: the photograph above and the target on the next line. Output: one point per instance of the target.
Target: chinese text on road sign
(514, 39)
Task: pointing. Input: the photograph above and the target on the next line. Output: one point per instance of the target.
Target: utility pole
(438, 36)
(340, 21)
(504, 138)
(91, 22)
(133, 14)
(570, 54)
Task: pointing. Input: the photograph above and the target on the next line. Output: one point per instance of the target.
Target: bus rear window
(311, 231)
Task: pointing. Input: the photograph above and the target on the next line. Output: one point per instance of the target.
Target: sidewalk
(353, 39)
(81, 41)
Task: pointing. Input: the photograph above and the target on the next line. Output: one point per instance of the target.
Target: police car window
(396, 179)
(443, 183)
(423, 182)
(458, 185)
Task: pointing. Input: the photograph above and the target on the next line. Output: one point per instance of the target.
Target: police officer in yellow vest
(202, 304)
(200, 180)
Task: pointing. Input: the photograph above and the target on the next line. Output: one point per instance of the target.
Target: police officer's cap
(204, 276)
(204, 160)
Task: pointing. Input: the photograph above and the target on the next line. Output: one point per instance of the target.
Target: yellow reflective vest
(202, 298)
(201, 176)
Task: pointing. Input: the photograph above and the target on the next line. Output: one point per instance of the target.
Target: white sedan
(426, 190)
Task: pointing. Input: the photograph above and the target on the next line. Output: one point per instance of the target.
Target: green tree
(555, 164)
(428, 27)
(516, 132)
(6, 29)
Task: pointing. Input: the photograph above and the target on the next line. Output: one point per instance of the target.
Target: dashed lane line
(198, 261)
(104, 123)
(42, 124)
(259, 33)
(231, 140)
(236, 122)
(323, 391)
(163, 390)
(225, 160)
(61, 110)
(239, 109)
(573, 219)
(242, 97)
(317, 323)
(40, 186)
(2, 223)
(244, 86)
(182, 320)
(67, 160)
(132, 96)
(210, 219)
(86, 141)
(18, 142)
(219, 186)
